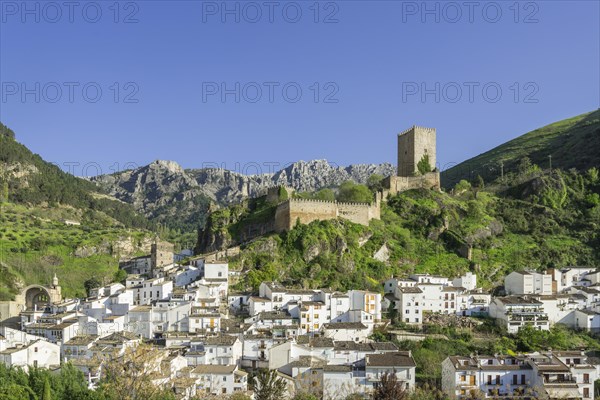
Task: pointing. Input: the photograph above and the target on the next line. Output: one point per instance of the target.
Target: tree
(423, 165)
(47, 393)
(131, 377)
(462, 186)
(90, 284)
(351, 192)
(120, 276)
(390, 388)
(325, 194)
(479, 185)
(593, 175)
(282, 194)
(374, 182)
(4, 196)
(524, 166)
(268, 385)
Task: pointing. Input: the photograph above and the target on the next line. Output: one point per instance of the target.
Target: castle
(416, 169)
(305, 211)
(415, 145)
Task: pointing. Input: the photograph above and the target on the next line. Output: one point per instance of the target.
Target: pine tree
(46, 394)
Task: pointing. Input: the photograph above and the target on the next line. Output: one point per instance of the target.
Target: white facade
(528, 282)
(557, 375)
(38, 353)
(514, 312)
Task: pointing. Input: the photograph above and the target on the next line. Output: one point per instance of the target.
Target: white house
(346, 331)
(401, 363)
(514, 312)
(223, 350)
(38, 353)
(528, 282)
(220, 379)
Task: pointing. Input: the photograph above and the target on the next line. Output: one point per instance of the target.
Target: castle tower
(161, 256)
(413, 144)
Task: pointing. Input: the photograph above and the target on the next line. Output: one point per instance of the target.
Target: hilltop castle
(416, 169)
(416, 162)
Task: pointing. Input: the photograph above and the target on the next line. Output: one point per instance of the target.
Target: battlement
(415, 127)
(300, 200)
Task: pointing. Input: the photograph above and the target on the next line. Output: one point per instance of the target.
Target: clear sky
(125, 83)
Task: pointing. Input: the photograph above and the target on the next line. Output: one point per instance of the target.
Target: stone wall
(307, 210)
(397, 184)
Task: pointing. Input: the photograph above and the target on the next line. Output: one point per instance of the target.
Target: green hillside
(25, 178)
(548, 220)
(52, 222)
(572, 143)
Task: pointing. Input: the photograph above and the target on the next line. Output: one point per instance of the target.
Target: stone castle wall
(397, 184)
(307, 210)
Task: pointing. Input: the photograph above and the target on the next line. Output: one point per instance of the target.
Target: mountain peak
(171, 166)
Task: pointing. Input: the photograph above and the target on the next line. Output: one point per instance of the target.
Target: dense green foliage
(322, 194)
(6, 131)
(571, 143)
(34, 384)
(351, 192)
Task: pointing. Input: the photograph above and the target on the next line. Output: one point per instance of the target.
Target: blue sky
(365, 69)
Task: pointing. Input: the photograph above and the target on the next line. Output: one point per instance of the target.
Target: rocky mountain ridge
(163, 190)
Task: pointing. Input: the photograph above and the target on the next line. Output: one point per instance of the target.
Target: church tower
(414, 144)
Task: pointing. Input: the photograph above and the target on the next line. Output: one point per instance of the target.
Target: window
(407, 311)
(515, 379)
(489, 380)
(35, 349)
(523, 380)
(463, 378)
(490, 362)
(224, 379)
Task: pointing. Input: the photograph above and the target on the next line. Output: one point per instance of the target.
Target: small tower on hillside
(414, 144)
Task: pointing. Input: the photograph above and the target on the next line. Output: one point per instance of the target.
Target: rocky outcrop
(122, 248)
(165, 192)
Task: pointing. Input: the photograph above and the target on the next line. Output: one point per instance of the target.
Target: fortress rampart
(308, 210)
